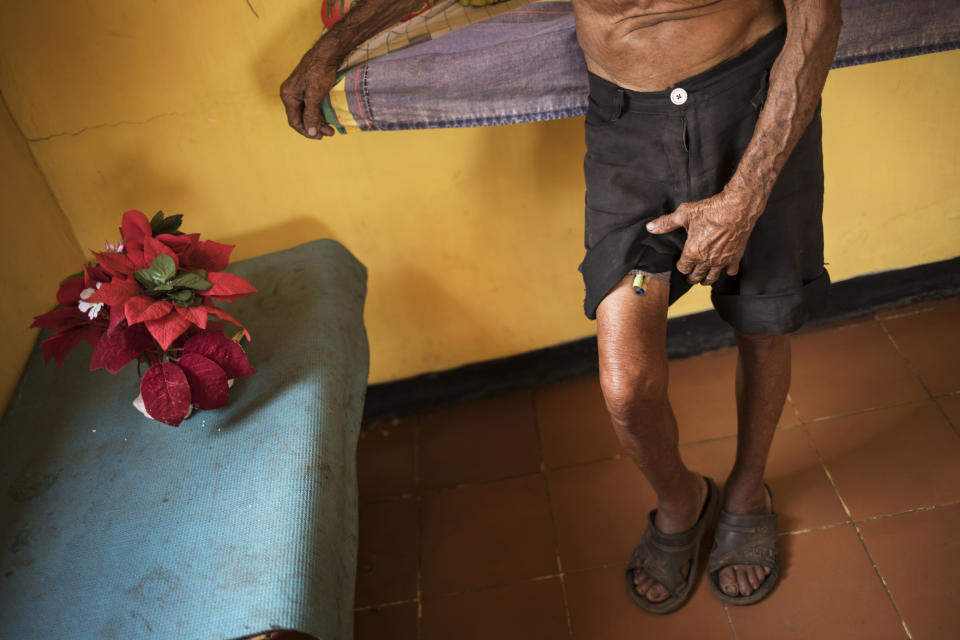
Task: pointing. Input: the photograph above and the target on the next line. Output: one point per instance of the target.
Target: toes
(641, 579)
(743, 582)
(761, 573)
(741, 579)
(644, 585)
(647, 587)
(656, 593)
(728, 581)
(752, 578)
(641, 582)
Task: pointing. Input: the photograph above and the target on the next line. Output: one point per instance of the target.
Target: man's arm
(303, 92)
(718, 227)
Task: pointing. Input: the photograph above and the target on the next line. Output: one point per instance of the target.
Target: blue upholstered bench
(241, 520)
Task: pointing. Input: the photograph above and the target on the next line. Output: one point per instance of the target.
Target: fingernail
(312, 131)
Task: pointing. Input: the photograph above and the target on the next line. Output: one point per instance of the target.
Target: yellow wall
(38, 251)
(471, 237)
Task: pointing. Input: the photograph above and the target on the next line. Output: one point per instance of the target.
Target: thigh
(632, 334)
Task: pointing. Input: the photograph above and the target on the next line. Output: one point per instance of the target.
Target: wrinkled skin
(716, 240)
(302, 93)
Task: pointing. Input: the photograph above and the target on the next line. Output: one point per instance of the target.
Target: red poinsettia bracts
(199, 377)
(146, 299)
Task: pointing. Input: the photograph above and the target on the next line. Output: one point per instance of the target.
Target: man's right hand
(303, 93)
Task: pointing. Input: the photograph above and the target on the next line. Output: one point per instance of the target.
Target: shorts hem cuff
(778, 314)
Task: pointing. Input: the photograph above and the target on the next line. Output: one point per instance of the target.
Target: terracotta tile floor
(512, 517)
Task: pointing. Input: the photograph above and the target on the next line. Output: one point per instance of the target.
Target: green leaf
(182, 295)
(192, 280)
(159, 224)
(185, 297)
(160, 271)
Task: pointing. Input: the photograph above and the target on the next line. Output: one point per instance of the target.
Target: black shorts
(648, 152)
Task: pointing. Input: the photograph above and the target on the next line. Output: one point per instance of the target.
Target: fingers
(713, 275)
(305, 111)
(313, 120)
(698, 274)
(667, 223)
(294, 114)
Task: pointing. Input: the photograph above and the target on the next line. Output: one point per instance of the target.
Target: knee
(629, 391)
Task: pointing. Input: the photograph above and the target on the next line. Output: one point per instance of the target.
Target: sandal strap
(662, 556)
(744, 539)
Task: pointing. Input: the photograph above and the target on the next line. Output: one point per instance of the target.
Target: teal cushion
(240, 520)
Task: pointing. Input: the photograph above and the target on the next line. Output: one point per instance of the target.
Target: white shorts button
(678, 96)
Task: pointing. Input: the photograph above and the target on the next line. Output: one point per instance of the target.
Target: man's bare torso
(648, 45)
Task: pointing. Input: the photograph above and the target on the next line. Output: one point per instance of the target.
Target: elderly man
(703, 166)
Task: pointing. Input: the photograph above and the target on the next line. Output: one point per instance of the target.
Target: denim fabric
(521, 66)
(526, 65)
(877, 30)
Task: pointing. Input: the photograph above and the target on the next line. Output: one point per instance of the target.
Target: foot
(671, 521)
(743, 579)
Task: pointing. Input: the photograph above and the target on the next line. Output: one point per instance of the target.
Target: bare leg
(631, 337)
(763, 379)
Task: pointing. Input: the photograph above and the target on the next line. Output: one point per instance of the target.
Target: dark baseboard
(686, 336)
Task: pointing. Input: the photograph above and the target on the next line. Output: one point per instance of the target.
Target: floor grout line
(883, 581)
(544, 469)
(914, 312)
(793, 405)
(490, 587)
(383, 605)
(861, 411)
(564, 467)
(823, 527)
(726, 612)
(553, 521)
(859, 535)
(418, 492)
(906, 512)
(916, 374)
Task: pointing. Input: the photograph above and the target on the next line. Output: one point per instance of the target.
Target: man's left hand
(717, 232)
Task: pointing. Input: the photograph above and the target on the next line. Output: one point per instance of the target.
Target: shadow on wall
(287, 234)
(427, 307)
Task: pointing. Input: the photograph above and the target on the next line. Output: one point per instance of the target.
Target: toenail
(730, 590)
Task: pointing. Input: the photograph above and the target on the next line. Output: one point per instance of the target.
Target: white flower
(114, 247)
(91, 309)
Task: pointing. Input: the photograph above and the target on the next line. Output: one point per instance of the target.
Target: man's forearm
(365, 19)
(796, 82)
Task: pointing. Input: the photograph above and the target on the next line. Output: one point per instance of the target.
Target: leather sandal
(745, 539)
(662, 556)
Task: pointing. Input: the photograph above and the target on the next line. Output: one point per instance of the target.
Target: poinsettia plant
(149, 298)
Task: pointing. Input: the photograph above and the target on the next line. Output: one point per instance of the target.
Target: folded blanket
(519, 61)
